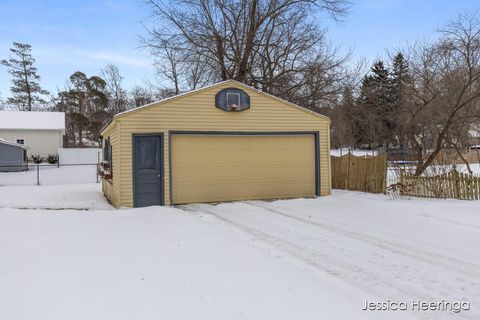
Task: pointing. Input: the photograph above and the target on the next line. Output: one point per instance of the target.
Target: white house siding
(79, 156)
(41, 142)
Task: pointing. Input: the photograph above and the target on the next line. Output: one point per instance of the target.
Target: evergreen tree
(401, 88)
(375, 107)
(26, 90)
(382, 85)
(400, 77)
(86, 106)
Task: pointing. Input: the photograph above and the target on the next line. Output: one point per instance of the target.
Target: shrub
(36, 158)
(52, 158)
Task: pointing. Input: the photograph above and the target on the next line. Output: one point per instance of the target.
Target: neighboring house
(41, 131)
(13, 156)
(224, 142)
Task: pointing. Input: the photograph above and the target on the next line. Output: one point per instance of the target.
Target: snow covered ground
(393, 172)
(50, 175)
(292, 259)
(54, 197)
(357, 152)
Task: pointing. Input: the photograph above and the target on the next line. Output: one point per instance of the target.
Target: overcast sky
(67, 36)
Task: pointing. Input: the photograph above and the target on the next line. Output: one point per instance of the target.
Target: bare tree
(140, 96)
(168, 62)
(181, 69)
(446, 89)
(117, 96)
(270, 44)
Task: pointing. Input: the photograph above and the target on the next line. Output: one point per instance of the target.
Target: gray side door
(147, 170)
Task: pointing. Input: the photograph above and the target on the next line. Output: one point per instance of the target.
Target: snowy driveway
(404, 250)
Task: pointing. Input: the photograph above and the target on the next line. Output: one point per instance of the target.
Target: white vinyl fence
(78, 155)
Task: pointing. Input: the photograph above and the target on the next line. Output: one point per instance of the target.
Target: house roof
(23, 146)
(32, 120)
(234, 82)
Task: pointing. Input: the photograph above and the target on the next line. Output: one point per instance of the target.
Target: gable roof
(235, 82)
(23, 146)
(32, 120)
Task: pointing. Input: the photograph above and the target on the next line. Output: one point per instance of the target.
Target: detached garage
(224, 142)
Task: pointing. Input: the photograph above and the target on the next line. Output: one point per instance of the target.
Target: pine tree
(401, 82)
(86, 106)
(375, 104)
(26, 90)
(401, 85)
(382, 86)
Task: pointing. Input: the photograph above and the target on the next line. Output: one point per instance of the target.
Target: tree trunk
(243, 67)
(463, 158)
(439, 145)
(421, 167)
(220, 56)
(80, 135)
(27, 87)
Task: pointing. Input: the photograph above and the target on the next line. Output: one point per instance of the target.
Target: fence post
(456, 184)
(385, 171)
(38, 175)
(348, 170)
(365, 182)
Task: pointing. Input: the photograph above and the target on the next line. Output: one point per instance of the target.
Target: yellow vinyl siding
(212, 168)
(111, 189)
(197, 112)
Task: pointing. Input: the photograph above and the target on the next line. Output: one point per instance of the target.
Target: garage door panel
(229, 173)
(210, 168)
(234, 193)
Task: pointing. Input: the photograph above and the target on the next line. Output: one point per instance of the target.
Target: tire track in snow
(347, 272)
(454, 266)
(445, 220)
(353, 274)
(435, 259)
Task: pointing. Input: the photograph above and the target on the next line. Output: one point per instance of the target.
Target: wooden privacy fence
(366, 174)
(453, 184)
